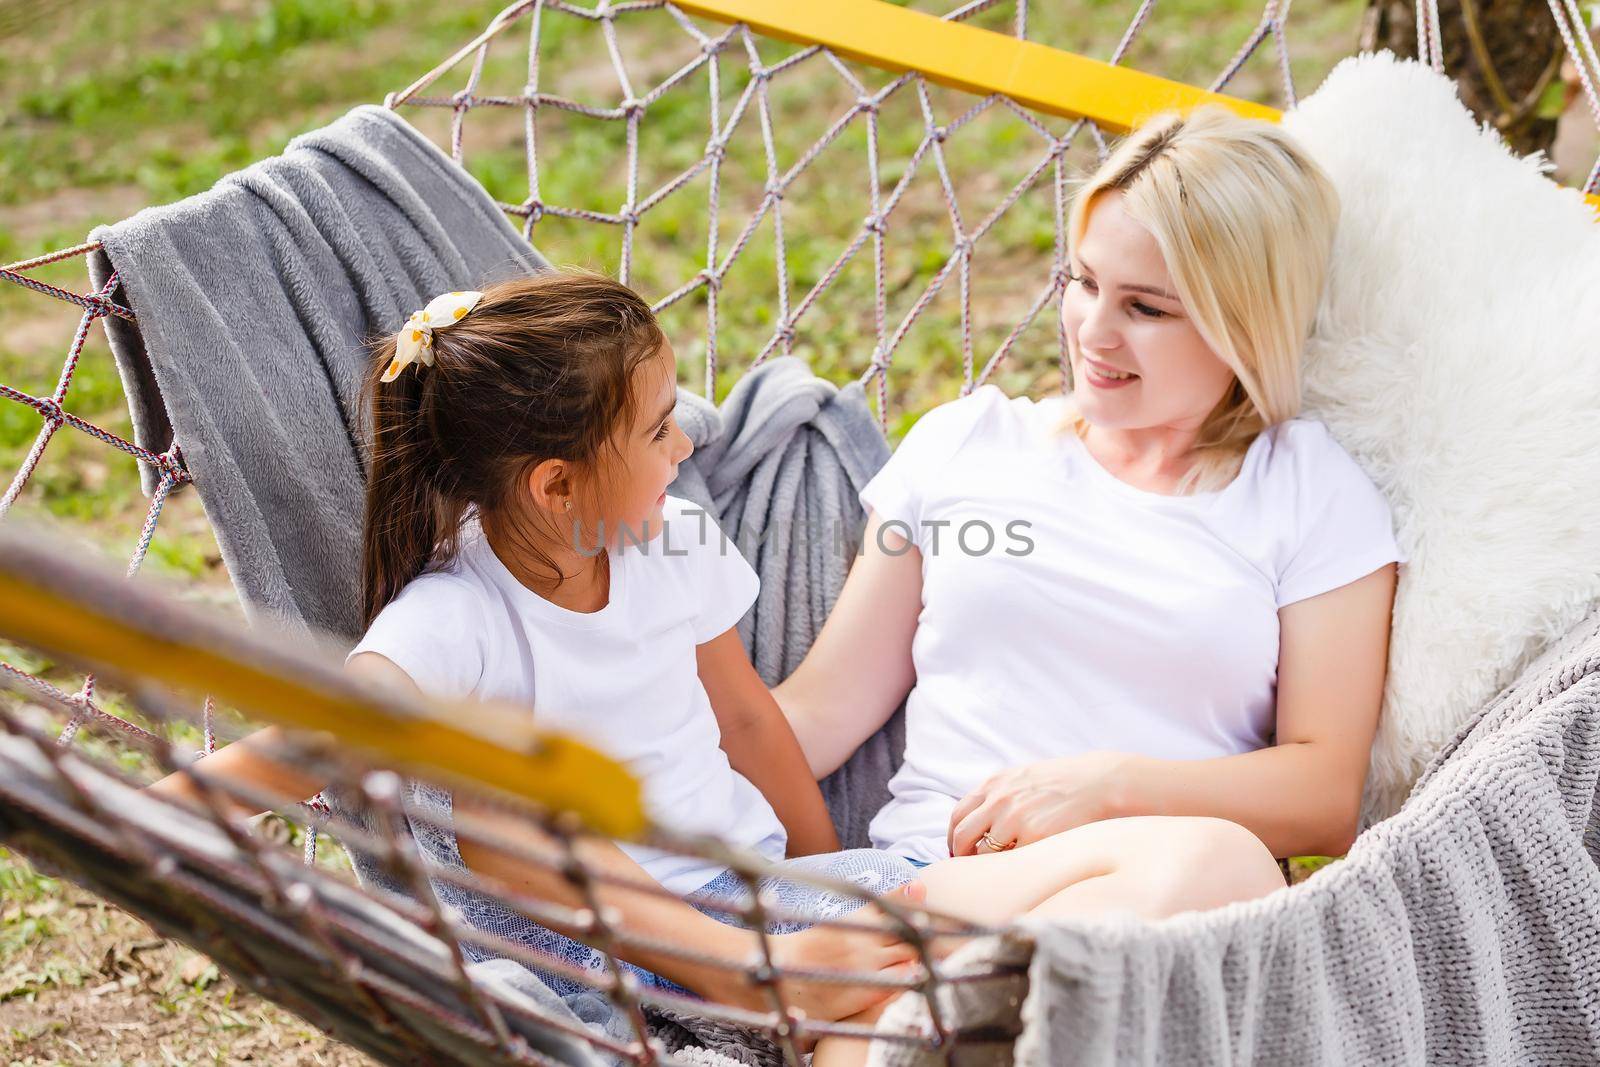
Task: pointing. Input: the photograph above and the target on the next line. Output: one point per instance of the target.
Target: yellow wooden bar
(123, 631)
(976, 60)
(972, 59)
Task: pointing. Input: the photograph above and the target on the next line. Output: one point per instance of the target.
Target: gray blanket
(255, 300)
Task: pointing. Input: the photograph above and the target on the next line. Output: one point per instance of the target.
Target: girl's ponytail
(408, 511)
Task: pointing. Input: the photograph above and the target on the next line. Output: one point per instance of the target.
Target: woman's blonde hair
(1245, 222)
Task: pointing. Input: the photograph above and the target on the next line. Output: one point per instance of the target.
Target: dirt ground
(102, 988)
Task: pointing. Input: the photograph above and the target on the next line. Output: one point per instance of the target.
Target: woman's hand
(1024, 804)
(834, 948)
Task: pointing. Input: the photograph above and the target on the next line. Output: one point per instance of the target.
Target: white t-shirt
(623, 678)
(1093, 614)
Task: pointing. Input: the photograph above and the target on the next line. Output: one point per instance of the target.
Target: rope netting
(743, 104)
(838, 212)
(300, 933)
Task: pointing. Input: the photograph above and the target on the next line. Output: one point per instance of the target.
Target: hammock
(387, 971)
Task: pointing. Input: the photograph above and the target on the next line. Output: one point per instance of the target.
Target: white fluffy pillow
(1457, 357)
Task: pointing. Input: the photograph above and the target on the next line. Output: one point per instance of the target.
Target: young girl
(520, 546)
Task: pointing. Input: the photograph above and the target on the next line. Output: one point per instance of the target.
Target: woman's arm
(761, 746)
(1302, 796)
(859, 668)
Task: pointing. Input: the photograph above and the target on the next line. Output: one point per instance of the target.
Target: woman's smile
(1105, 376)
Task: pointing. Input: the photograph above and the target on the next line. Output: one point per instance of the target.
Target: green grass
(211, 104)
(117, 106)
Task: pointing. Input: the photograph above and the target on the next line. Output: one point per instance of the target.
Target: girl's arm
(859, 668)
(258, 759)
(252, 760)
(761, 746)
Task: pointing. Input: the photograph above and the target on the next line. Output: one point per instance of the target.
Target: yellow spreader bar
(977, 60)
(122, 629)
(971, 59)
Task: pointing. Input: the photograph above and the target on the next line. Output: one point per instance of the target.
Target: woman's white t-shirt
(1065, 611)
(623, 678)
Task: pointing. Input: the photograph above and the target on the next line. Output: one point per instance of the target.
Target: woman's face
(1122, 316)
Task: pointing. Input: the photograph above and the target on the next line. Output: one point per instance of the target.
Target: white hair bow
(414, 343)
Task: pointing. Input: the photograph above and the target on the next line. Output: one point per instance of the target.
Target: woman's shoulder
(1305, 446)
(1308, 465)
(1337, 520)
(1302, 431)
(987, 411)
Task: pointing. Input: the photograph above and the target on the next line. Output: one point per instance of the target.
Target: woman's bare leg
(1148, 866)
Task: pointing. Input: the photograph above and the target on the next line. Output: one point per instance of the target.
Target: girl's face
(1122, 317)
(649, 453)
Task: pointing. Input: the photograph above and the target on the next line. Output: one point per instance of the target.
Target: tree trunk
(1503, 54)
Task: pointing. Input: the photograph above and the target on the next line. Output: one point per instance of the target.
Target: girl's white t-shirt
(1066, 611)
(623, 678)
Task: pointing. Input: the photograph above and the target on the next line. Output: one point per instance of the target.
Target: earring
(569, 505)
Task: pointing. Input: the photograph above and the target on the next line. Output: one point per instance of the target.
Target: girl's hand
(1024, 804)
(825, 948)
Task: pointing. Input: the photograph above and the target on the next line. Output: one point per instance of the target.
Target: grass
(112, 106)
(116, 108)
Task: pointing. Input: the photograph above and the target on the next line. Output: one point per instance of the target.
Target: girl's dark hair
(539, 369)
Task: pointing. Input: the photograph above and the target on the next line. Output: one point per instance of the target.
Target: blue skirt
(874, 871)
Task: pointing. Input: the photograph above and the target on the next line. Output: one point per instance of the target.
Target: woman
(1162, 595)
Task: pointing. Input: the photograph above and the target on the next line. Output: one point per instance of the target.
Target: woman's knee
(1205, 862)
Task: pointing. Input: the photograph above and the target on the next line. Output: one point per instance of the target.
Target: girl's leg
(1148, 866)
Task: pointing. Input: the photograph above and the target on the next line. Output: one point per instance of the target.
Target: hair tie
(414, 342)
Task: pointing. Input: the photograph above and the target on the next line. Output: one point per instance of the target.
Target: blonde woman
(1141, 630)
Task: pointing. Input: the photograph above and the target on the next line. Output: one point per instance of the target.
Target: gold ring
(995, 846)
